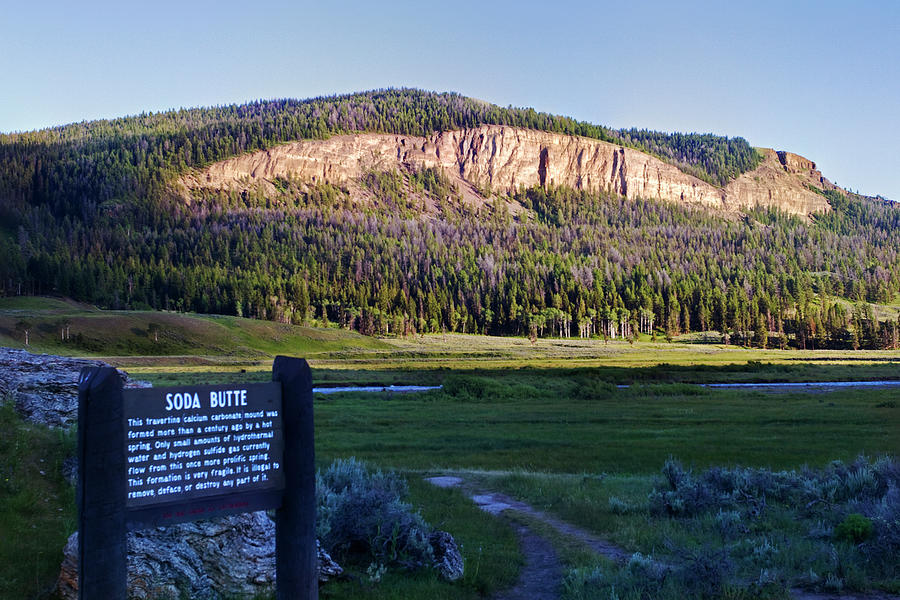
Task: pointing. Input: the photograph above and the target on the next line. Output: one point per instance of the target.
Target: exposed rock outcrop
(506, 158)
(447, 558)
(44, 387)
(780, 183)
(203, 560)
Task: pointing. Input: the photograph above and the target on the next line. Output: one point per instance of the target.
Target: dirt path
(495, 503)
(542, 574)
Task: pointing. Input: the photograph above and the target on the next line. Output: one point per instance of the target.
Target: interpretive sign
(185, 444)
(159, 456)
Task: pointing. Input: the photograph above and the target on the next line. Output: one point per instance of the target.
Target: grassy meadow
(37, 505)
(544, 422)
(72, 329)
(575, 423)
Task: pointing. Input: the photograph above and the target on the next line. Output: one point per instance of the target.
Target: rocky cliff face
(506, 158)
(780, 183)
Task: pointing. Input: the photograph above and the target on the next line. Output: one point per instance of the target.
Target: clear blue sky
(818, 78)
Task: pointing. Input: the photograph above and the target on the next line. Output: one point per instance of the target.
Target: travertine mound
(201, 560)
(507, 158)
(44, 387)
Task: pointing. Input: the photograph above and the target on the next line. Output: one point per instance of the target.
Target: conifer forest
(87, 211)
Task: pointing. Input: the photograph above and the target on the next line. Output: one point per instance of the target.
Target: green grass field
(37, 506)
(573, 424)
(544, 422)
(568, 441)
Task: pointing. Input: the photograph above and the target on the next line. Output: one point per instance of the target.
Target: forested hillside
(71, 170)
(87, 211)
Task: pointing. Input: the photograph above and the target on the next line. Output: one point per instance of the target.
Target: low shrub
(641, 577)
(363, 514)
(854, 528)
(584, 583)
(617, 506)
(883, 545)
(705, 571)
(730, 524)
(681, 493)
(761, 516)
(472, 388)
(664, 390)
(592, 388)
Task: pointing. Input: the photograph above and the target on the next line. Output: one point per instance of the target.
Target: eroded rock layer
(507, 158)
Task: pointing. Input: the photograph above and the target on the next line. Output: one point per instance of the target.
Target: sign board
(153, 457)
(201, 451)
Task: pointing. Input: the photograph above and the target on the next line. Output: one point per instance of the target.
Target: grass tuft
(37, 506)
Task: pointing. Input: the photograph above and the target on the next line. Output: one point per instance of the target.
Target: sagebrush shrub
(641, 577)
(705, 571)
(683, 493)
(364, 513)
(617, 506)
(730, 524)
(857, 501)
(883, 546)
(645, 568)
(888, 469)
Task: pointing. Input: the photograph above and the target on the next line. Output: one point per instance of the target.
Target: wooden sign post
(160, 456)
(101, 486)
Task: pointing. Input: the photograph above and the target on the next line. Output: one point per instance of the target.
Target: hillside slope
(402, 211)
(506, 159)
(64, 327)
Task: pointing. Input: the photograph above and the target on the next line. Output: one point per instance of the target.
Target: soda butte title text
(220, 455)
(220, 399)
